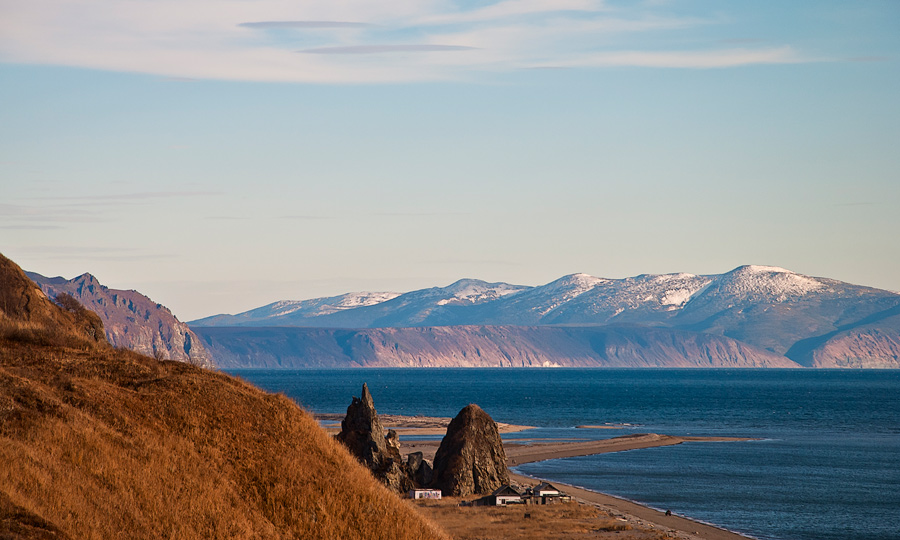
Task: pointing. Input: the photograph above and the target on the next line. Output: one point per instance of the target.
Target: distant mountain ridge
(130, 319)
(481, 346)
(814, 321)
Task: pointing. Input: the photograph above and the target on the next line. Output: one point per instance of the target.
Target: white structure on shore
(424, 494)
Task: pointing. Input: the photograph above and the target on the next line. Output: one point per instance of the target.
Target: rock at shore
(470, 460)
(363, 434)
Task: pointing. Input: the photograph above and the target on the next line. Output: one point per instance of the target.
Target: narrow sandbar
(410, 425)
(517, 454)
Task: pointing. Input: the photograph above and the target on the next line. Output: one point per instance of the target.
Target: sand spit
(523, 451)
(410, 425)
(517, 454)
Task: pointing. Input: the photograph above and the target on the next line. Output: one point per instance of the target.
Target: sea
(825, 465)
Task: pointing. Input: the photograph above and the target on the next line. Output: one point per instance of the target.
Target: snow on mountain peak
(363, 299)
(770, 282)
(475, 291)
(325, 306)
(762, 269)
(578, 283)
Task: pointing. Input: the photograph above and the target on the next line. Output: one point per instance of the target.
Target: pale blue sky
(218, 156)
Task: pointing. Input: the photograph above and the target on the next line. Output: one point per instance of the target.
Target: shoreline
(633, 512)
(408, 425)
(640, 515)
(520, 452)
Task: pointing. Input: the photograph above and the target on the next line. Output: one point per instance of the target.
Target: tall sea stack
(470, 460)
(363, 434)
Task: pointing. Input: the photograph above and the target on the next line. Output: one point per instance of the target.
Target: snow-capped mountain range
(770, 308)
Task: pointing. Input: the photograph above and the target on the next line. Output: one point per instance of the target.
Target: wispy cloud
(688, 59)
(868, 59)
(138, 196)
(47, 212)
(305, 217)
(358, 40)
(36, 216)
(88, 253)
(422, 214)
(303, 24)
(31, 227)
(381, 49)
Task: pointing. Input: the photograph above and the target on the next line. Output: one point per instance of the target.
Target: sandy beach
(409, 425)
(523, 451)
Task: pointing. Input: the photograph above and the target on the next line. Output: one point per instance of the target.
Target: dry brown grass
(104, 443)
(564, 521)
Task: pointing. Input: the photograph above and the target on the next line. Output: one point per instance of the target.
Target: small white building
(504, 495)
(424, 494)
(545, 490)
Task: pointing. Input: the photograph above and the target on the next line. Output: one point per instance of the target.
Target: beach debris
(470, 459)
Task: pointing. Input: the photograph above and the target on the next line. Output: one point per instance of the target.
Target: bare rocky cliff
(130, 319)
(480, 346)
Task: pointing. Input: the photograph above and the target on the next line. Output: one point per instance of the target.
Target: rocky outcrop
(363, 434)
(25, 306)
(130, 319)
(470, 460)
(420, 468)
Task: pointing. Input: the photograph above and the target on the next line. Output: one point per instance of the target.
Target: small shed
(424, 494)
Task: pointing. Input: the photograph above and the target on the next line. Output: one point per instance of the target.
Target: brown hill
(97, 442)
(130, 319)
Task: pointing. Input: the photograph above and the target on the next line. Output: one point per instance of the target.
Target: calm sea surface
(827, 467)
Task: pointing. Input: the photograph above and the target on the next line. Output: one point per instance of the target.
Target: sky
(221, 155)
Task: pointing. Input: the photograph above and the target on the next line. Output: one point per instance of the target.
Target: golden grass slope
(99, 443)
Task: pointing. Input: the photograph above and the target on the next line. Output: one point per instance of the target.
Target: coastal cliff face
(874, 348)
(130, 319)
(481, 346)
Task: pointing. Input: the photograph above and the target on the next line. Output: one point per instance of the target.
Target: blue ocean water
(827, 465)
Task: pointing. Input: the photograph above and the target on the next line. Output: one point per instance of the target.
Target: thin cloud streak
(303, 24)
(687, 59)
(31, 227)
(381, 49)
(140, 196)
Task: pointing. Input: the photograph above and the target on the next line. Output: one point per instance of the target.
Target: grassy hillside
(103, 443)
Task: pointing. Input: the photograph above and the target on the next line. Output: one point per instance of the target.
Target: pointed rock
(363, 434)
(361, 430)
(470, 460)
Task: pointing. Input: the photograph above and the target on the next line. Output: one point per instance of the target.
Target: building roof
(506, 489)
